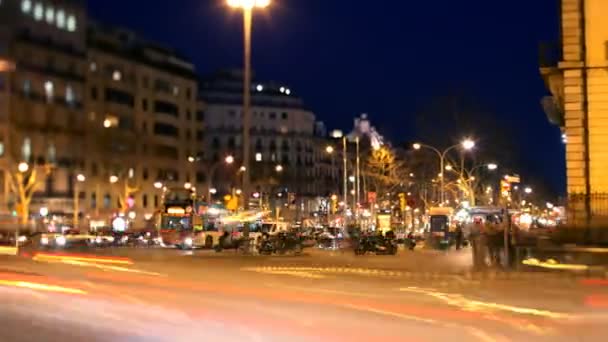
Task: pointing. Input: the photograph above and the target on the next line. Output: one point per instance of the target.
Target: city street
(169, 295)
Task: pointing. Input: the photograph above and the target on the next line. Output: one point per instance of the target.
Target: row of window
(52, 16)
(160, 85)
(273, 145)
(50, 91)
(261, 115)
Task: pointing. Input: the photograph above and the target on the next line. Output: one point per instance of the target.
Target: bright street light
(248, 4)
(158, 185)
(528, 190)
(329, 149)
(492, 167)
(468, 144)
(279, 168)
(229, 160)
(239, 191)
(243, 169)
(187, 185)
(81, 178)
(449, 167)
(191, 159)
(213, 191)
(23, 167)
(417, 146)
(113, 179)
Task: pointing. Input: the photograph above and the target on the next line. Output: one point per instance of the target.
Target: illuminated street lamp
(187, 185)
(247, 6)
(23, 167)
(329, 149)
(229, 160)
(466, 144)
(492, 166)
(191, 159)
(81, 178)
(279, 168)
(113, 179)
(528, 190)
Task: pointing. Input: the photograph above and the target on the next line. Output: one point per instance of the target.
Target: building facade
(99, 101)
(578, 81)
(285, 147)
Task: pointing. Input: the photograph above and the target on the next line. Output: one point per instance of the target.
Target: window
(60, 20)
(106, 201)
(27, 87)
(258, 157)
(116, 75)
(144, 201)
(119, 97)
(38, 12)
(188, 115)
(144, 105)
(94, 169)
(26, 6)
(70, 97)
(71, 23)
(216, 143)
(93, 200)
(272, 116)
(284, 116)
(166, 108)
(188, 135)
(156, 201)
(94, 93)
(168, 152)
(200, 135)
(200, 116)
(1, 147)
(146, 82)
(50, 15)
(258, 144)
(145, 174)
(232, 113)
(166, 130)
(201, 177)
(48, 90)
(231, 143)
(188, 93)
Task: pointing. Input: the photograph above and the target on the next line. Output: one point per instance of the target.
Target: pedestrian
(458, 236)
(474, 233)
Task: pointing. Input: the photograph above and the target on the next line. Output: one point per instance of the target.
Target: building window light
(50, 15)
(175, 90)
(110, 121)
(70, 97)
(282, 90)
(93, 66)
(258, 157)
(71, 23)
(38, 11)
(26, 6)
(48, 90)
(116, 75)
(60, 19)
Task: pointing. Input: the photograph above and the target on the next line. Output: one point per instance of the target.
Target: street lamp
(279, 168)
(81, 178)
(158, 185)
(187, 185)
(229, 160)
(113, 179)
(23, 167)
(247, 6)
(466, 144)
(191, 159)
(329, 149)
(492, 166)
(528, 190)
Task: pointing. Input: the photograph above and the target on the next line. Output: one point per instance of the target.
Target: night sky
(386, 58)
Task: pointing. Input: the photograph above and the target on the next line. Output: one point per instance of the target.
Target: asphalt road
(168, 295)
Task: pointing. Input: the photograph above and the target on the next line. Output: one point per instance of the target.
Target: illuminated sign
(176, 211)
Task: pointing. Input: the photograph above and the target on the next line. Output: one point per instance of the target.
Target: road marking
(476, 305)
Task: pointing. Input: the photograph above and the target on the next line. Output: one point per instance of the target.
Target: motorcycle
(378, 245)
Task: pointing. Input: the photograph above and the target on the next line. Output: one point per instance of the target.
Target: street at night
(167, 295)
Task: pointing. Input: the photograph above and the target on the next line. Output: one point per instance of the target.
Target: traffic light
(402, 202)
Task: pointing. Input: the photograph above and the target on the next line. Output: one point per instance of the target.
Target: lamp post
(466, 144)
(228, 160)
(80, 178)
(247, 6)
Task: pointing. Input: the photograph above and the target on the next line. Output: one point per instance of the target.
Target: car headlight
(188, 241)
(44, 240)
(60, 241)
(111, 239)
